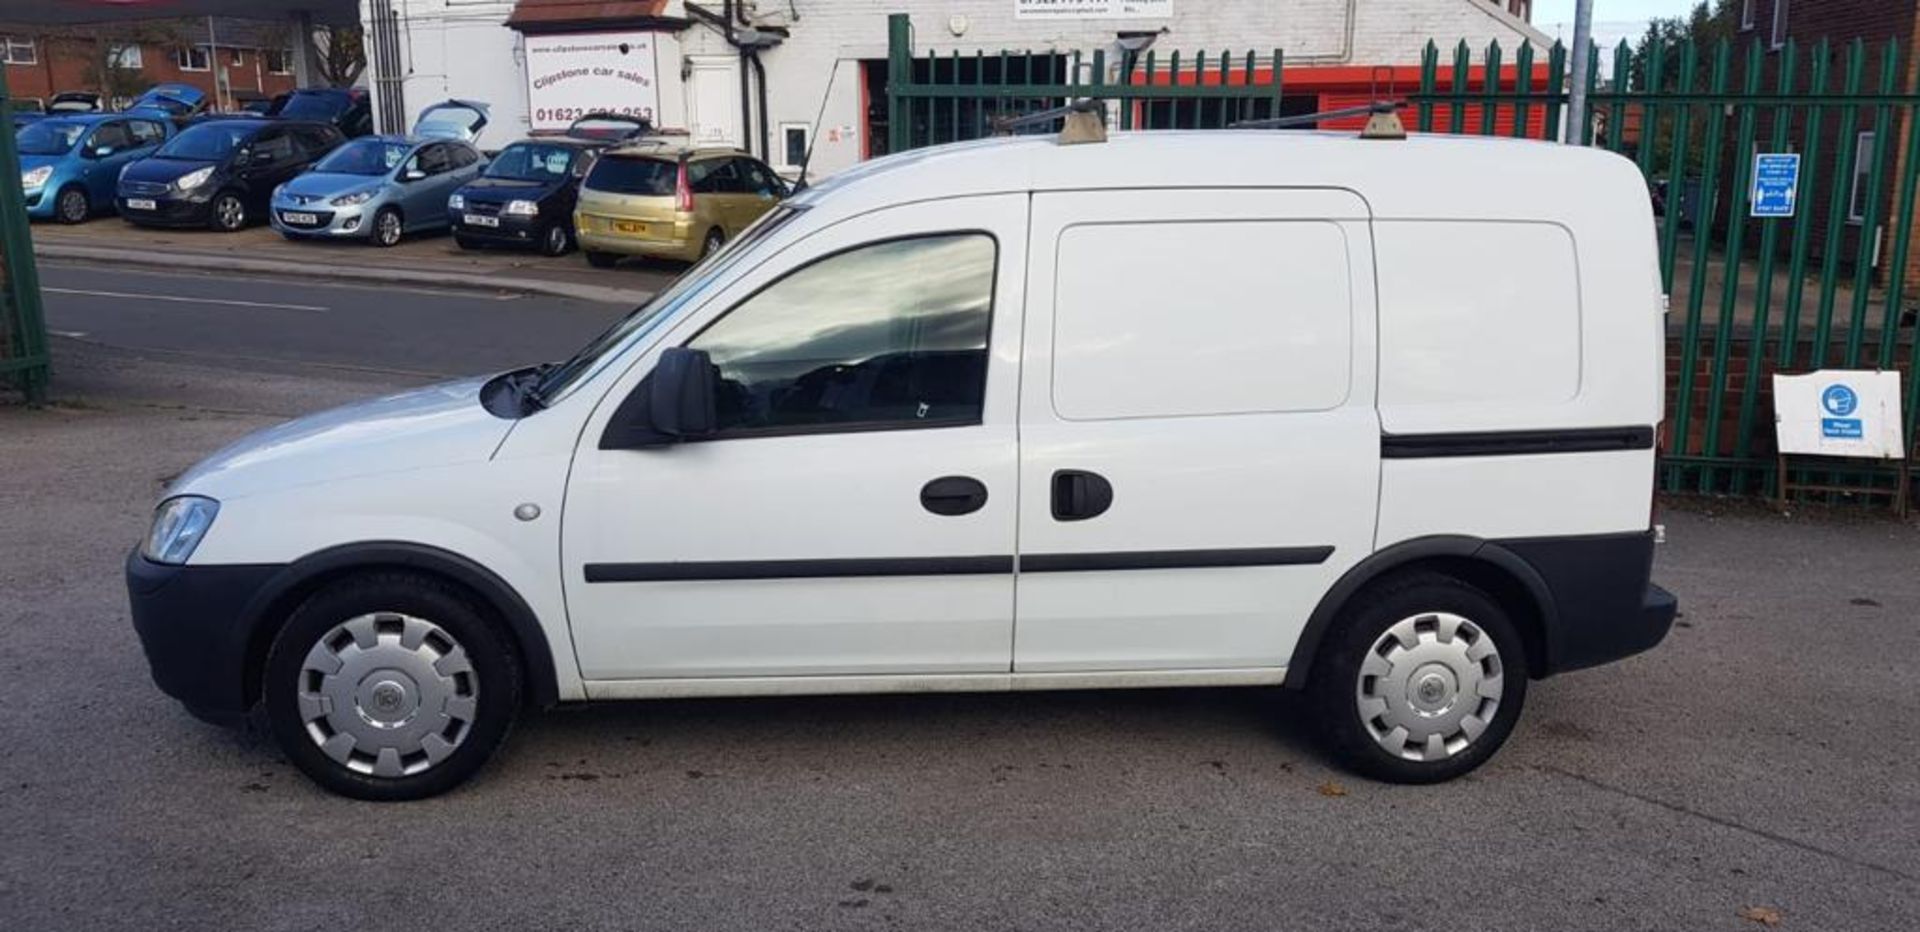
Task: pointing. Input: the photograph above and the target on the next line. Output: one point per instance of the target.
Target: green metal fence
(23, 334)
(1826, 287)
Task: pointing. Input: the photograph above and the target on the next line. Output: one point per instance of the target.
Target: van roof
(1423, 175)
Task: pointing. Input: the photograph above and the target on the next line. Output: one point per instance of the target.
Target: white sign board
(570, 76)
(1837, 412)
(1092, 9)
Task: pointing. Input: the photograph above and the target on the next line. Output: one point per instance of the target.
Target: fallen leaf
(1764, 915)
(1331, 788)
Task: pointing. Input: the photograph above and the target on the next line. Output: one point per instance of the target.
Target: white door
(855, 512)
(1199, 448)
(713, 100)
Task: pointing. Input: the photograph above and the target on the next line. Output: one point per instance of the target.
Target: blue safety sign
(1840, 401)
(1776, 184)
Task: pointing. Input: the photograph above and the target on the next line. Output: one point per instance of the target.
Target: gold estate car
(670, 202)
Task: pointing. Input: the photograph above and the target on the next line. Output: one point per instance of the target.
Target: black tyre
(716, 238)
(72, 205)
(390, 686)
(556, 240)
(387, 228)
(1421, 680)
(602, 260)
(227, 213)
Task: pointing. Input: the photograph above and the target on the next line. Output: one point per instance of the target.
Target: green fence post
(1870, 220)
(1763, 284)
(1462, 63)
(1802, 223)
(1651, 79)
(1677, 165)
(1902, 246)
(1617, 114)
(899, 42)
(1702, 236)
(24, 354)
(1730, 264)
(1523, 84)
(1837, 190)
(1556, 88)
(1490, 90)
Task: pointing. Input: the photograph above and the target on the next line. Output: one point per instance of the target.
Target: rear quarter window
(1477, 311)
(1229, 318)
(645, 177)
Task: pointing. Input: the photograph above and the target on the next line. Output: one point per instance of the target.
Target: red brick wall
(63, 65)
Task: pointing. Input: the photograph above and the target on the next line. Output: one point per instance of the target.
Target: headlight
(348, 200)
(36, 177)
(193, 179)
(522, 209)
(456, 202)
(178, 525)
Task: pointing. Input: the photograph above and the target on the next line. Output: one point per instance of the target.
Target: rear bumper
(193, 625)
(1603, 604)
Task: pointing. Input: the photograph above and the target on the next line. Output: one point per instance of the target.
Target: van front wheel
(390, 686)
(1421, 681)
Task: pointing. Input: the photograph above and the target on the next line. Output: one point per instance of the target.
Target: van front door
(854, 512)
(1199, 447)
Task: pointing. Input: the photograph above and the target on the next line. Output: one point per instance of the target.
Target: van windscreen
(646, 177)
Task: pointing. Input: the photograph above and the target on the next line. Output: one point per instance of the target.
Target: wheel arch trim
(1412, 552)
(268, 609)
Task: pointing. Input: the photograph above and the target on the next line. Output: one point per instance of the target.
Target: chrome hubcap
(388, 694)
(74, 205)
(1430, 686)
(230, 211)
(389, 228)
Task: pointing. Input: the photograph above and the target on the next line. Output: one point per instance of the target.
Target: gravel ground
(1753, 763)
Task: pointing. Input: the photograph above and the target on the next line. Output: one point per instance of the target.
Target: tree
(337, 53)
(111, 51)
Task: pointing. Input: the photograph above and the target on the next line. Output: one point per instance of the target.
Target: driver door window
(887, 336)
(112, 137)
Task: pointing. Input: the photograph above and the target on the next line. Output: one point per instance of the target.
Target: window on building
(125, 57)
(793, 144)
(1746, 14)
(192, 58)
(1862, 179)
(18, 51)
(233, 58)
(1779, 23)
(279, 61)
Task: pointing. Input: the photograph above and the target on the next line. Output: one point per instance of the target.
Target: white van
(1373, 419)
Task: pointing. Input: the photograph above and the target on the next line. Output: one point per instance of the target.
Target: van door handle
(953, 495)
(1079, 495)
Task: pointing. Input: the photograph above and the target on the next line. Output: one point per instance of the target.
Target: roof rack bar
(1300, 119)
(1086, 121)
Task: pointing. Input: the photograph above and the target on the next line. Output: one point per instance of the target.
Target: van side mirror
(682, 406)
(673, 404)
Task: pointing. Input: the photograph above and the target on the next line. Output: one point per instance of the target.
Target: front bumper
(168, 210)
(195, 624)
(514, 230)
(333, 222)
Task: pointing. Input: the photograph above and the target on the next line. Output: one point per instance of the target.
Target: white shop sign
(1837, 412)
(1092, 9)
(570, 76)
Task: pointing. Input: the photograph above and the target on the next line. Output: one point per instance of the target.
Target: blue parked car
(380, 188)
(69, 164)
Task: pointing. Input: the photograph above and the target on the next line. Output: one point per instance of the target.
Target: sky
(1613, 20)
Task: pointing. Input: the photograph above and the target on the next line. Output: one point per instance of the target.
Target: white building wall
(459, 48)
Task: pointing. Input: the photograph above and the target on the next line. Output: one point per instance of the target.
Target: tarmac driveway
(1758, 763)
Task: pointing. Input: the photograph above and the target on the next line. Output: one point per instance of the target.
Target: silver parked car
(380, 188)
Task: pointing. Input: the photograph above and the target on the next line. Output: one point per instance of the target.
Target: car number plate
(141, 203)
(628, 226)
(476, 220)
(294, 216)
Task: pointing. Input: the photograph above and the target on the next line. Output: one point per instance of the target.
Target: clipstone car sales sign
(570, 76)
(1092, 9)
(1838, 412)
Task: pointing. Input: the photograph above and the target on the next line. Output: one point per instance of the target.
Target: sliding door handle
(1079, 495)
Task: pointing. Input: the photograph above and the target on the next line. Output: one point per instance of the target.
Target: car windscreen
(208, 142)
(532, 161)
(49, 137)
(365, 157)
(626, 174)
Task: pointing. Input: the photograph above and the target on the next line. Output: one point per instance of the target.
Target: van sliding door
(1199, 449)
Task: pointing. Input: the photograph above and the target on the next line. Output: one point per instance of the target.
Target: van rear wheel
(390, 686)
(1421, 681)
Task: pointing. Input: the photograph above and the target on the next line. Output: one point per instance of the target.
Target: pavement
(1756, 764)
(422, 259)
